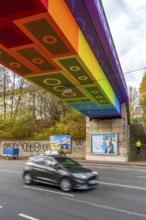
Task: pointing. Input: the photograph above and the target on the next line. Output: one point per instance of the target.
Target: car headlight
(79, 175)
(94, 173)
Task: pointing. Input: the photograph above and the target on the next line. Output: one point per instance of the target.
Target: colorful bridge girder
(47, 43)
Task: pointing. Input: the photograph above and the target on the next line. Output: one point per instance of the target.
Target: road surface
(120, 195)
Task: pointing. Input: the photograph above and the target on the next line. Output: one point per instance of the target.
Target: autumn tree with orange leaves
(142, 94)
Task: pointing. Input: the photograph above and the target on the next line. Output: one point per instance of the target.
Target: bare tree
(25, 99)
(19, 95)
(5, 81)
(48, 108)
(133, 100)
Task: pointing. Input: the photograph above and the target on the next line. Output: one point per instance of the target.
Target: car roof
(46, 156)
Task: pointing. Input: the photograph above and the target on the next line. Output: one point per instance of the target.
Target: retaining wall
(34, 148)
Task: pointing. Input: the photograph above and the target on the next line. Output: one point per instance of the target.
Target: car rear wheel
(28, 178)
(66, 185)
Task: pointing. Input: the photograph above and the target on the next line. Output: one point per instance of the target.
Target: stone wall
(34, 148)
(118, 126)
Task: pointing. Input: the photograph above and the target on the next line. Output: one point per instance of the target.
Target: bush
(23, 128)
(43, 135)
(6, 135)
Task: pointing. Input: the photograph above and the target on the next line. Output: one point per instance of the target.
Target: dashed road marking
(125, 186)
(27, 216)
(144, 177)
(10, 171)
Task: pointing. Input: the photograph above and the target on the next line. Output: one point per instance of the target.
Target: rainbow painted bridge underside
(41, 41)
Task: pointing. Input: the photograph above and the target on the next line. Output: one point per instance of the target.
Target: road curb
(124, 164)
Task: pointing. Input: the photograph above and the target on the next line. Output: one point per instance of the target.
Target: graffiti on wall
(34, 147)
(78, 149)
(78, 146)
(28, 146)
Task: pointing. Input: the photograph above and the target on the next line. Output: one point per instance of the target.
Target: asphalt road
(120, 195)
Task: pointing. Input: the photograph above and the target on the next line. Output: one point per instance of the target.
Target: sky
(127, 22)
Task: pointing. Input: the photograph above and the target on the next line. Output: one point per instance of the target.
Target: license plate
(92, 181)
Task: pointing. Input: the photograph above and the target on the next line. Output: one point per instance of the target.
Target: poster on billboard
(104, 143)
(60, 142)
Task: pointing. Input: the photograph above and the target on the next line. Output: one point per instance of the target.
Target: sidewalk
(136, 164)
(140, 164)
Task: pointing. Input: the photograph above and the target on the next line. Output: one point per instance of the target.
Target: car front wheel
(28, 178)
(66, 185)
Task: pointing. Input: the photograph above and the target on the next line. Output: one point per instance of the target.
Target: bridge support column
(96, 132)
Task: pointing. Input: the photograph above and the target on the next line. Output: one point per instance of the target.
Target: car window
(50, 162)
(47, 163)
(38, 160)
(67, 162)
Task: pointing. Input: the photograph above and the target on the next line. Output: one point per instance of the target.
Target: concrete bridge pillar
(97, 131)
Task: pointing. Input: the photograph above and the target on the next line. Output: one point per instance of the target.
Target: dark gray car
(59, 171)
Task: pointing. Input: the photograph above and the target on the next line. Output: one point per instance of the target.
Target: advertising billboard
(60, 142)
(104, 143)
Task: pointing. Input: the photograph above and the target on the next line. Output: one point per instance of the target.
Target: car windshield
(67, 162)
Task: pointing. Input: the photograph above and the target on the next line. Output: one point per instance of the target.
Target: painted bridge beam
(45, 42)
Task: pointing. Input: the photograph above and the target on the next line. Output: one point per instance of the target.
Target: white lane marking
(10, 171)
(142, 171)
(125, 186)
(111, 169)
(27, 216)
(128, 212)
(132, 168)
(144, 177)
(122, 169)
(49, 191)
(0, 207)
